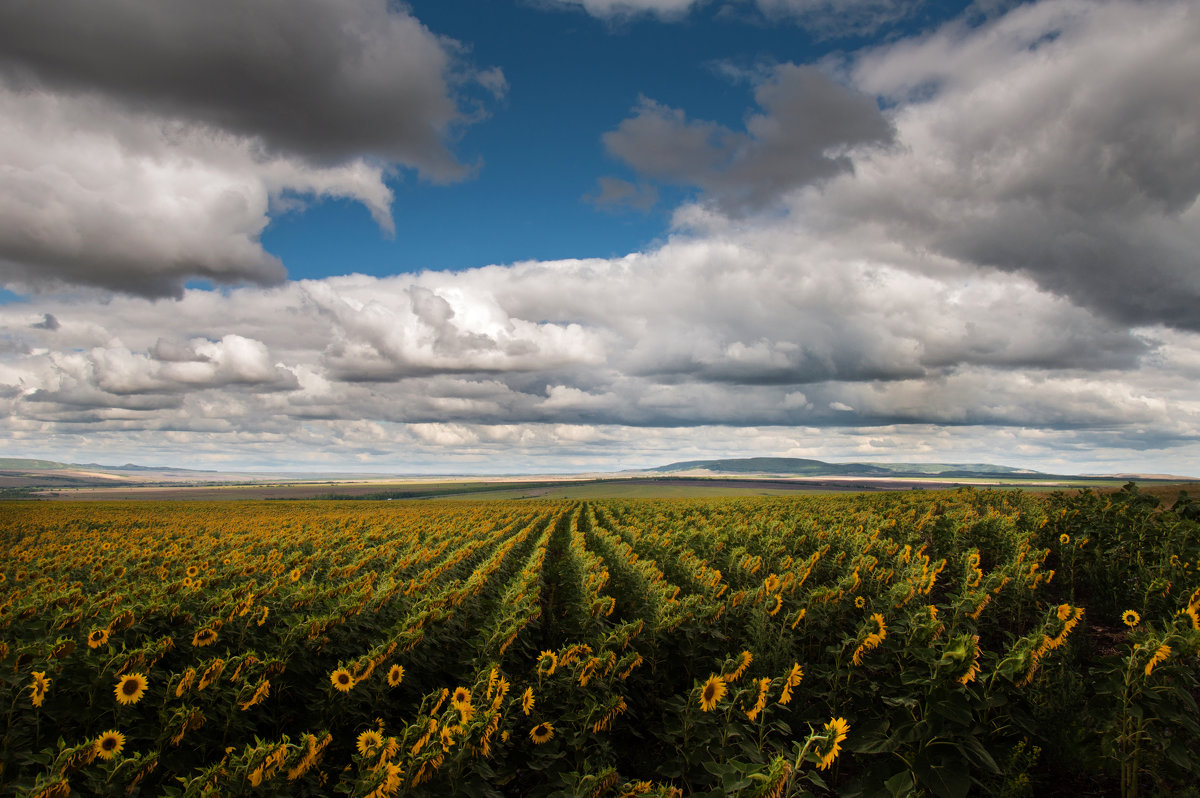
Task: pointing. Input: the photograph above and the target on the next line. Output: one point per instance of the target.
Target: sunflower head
(1130, 618)
(109, 744)
(541, 733)
(547, 663)
(295, 575)
(97, 638)
(462, 697)
(712, 693)
(860, 602)
(368, 741)
(1064, 538)
(829, 748)
(204, 637)
(130, 688)
(342, 680)
(395, 675)
(527, 700)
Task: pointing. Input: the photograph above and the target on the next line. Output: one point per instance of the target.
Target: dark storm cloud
(807, 126)
(328, 81)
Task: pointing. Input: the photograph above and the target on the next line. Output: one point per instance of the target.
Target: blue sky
(574, 235)
(571, 77)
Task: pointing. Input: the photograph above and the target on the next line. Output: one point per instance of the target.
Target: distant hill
(819, 468)
(26, 464)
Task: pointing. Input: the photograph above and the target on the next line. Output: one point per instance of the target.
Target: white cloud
(139, 150)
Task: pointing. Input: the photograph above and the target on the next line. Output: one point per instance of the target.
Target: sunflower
(204, 637)
(713, 692)
(790, 683)
(193, 571)
(527, 700)
(368, 741)
(1064, 538)
(462, 697)
(130, 688)
(295, 575)
(97, 638)
(447, 737)
(541, 733)
(1160, 655)
(778, 605)
(395, 675)
(109, 744)
(835, 732)
(342, 680)
(37, 690)
(547, 663)
(860, 602)
(1130, 618)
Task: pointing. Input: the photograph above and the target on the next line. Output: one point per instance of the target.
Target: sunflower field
(921, 643)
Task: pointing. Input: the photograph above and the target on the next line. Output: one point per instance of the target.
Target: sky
(540, 236)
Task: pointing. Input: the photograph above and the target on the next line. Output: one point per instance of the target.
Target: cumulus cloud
(829, 18)
(807, 127)
(1057, 141)
(142, 147)
(930, 298)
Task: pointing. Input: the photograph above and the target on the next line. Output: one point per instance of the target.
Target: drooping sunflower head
(712, 693)
(368, 741)
(342, 680)
(395, 675)
(204, 637)
(97, 638)
(547, 663)
(541, 733)
(109, 744)
(1130, 618)
(835, 732)
(130, 688)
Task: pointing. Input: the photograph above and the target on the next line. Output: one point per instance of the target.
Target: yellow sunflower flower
(835, 732)
(130, 688)
(97, 638)
(395, 675)
(1130, 618)
(713, 692)
(1160, 655)
(109, 744)
(37, 690)
(204, 637)
(342, 680)
(541, 733)
(368, 741)
(547, 663)
(527, 700)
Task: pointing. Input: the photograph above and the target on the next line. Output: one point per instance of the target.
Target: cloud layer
(1003, 259)
(142, 147)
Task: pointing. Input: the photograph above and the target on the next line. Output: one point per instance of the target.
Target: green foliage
(941, 644)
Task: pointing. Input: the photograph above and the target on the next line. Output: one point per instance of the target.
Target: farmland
(942, 643)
